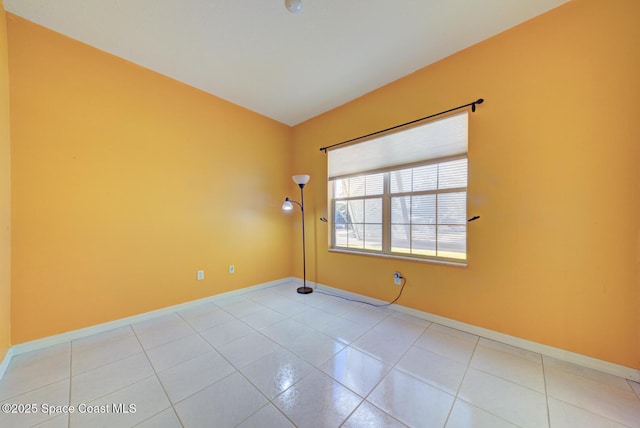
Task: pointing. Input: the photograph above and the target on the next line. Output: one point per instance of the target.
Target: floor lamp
(300, 180)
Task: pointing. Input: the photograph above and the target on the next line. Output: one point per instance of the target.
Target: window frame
(386, 196)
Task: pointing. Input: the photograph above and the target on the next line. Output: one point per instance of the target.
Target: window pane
(373, 237)
(452, 174)
(400, 181)
(341, 235)
(400, 239)
(340, 212)
(423, 209)
(400, 209)
(356, 232)
(356, 211)
(374, 184)
(340, 188)
(426, 217)
(423, 240)
(373, 210)
(452, 208)
(425, 178)
(452, 242)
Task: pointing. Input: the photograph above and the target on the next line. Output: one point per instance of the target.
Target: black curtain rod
(473, 109)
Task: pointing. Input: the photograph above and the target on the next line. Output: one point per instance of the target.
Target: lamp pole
(304, 289)
(301, 181)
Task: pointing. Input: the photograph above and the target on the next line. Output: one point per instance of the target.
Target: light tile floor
(274, 358)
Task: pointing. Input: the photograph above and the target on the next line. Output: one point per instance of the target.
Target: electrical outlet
(397, 278)
(232, 269)
(200, 275)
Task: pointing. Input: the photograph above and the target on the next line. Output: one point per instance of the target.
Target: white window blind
(433, 140)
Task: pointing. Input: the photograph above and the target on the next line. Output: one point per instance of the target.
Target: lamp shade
(301, 179)
(287, 205)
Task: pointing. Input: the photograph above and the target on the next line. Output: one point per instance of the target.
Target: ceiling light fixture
(293, 6)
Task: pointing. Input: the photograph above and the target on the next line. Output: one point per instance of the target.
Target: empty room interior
(151, 276)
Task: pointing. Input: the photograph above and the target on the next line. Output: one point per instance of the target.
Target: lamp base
(305, 290)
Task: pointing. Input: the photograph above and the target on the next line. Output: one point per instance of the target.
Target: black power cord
(404, 281)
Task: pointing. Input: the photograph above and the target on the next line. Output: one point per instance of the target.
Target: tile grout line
(363, 399)
(510, 380)
(270, 401)
(546, 391)
(236, 369)
(635, 391)
(466, 370)
(104, 395)
(239, 371)
(347, 345)
(105, 364)
(213, 348)
(70, 380)
(457, 398)
(155, 375)
(394, 366)
(317, 367)
(391, 367)
(580, 406)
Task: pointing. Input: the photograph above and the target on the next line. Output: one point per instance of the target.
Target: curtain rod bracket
(473, 106)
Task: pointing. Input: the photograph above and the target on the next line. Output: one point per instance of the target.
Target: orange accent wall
(5, 194)
(554, 176)
(125, 183)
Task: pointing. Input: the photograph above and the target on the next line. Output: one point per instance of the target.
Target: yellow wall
(5, 194)
(554, 175)
(125, 183)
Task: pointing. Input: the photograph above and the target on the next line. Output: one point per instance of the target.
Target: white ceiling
(289, 67)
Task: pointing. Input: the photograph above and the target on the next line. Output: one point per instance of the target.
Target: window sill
(398, 257)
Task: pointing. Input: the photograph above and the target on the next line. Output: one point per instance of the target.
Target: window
(414, 208)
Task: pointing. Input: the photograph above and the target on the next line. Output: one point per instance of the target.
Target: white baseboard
(88, 331)
(5, 362)
(549, 351)
(560, 354)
